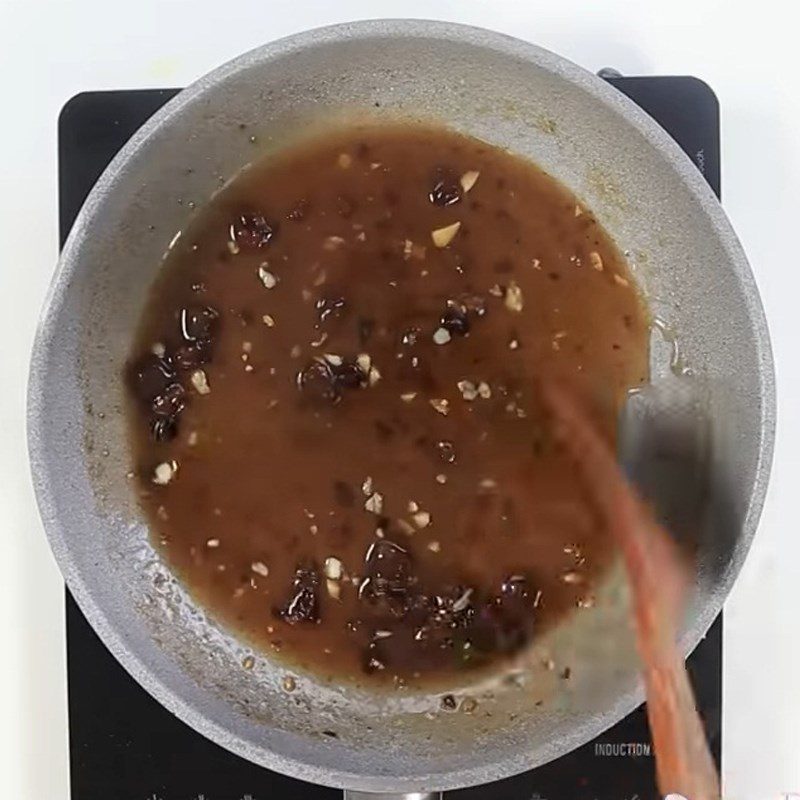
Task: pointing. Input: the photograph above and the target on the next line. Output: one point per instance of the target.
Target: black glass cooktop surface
(125, 746)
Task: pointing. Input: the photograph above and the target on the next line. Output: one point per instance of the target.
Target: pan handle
(351, 795)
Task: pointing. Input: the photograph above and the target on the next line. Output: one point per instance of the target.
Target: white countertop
(747, 52)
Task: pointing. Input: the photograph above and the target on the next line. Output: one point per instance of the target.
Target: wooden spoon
(658, 579)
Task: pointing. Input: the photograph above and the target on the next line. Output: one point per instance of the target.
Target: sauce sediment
(334, 410)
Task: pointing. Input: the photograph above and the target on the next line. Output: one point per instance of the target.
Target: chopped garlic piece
(443, 236)
(596, 260)
(441, 336)
(513, 299)
(364, 362)
(374, 503)
(267, 278)
(468, 390)
(440, 405)
(333, 568)
(332, 243)
(164, 473)
(422, 519)
(200, 382)
(462, 601)
(469, 179)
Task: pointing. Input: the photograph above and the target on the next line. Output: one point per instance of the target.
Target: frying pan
(645, 192)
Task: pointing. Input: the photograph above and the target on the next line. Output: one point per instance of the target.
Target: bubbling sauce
(334, 410)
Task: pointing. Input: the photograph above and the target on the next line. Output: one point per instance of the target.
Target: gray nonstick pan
(648, 196)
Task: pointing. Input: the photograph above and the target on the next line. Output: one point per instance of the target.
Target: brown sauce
(334, 415)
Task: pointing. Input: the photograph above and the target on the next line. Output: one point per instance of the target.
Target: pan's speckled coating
(645, 192)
